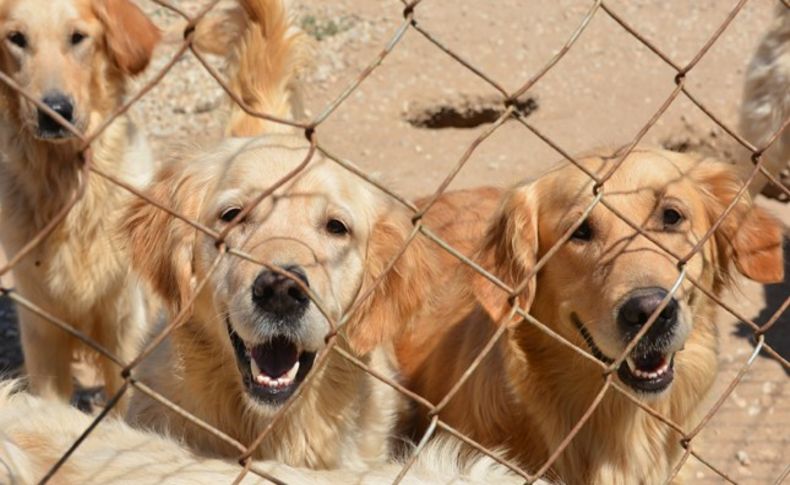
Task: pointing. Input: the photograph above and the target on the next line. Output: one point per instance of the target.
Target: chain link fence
(510, 112)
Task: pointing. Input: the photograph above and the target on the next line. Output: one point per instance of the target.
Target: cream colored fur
(35, 433)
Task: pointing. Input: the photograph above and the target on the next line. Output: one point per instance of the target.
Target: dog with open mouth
(308, 252)
(598, 291)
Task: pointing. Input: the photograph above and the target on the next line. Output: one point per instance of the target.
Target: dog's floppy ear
(160, 244)
(748, 236)
(130, 35)
(509, 252)
(400, 293)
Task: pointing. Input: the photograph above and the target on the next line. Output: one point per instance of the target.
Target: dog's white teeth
(291, 374)
(264, 380)
(663, 368)
(267, 381)
(653, 374)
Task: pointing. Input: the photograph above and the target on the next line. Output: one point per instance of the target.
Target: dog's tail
(269, 53)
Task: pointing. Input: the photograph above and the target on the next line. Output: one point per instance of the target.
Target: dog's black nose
(280, 295)
(60, 104)
(636, 311)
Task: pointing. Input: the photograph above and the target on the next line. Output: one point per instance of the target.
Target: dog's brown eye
(584, 232)
(77, 38)
(230, 213)
(336, 227)
(672, 217)
(18, 39)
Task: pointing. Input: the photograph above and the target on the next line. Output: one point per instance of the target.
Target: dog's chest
(79, 261)
(619, 444)
(79, 271)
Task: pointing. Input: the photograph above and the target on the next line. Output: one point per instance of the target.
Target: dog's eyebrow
(341, 211)
(572, 216)
(674, 200)
(229, 196)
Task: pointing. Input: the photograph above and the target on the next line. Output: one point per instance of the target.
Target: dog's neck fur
(341, 419)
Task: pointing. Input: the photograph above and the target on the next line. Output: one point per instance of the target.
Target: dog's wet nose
(636, 311)
(280, 295)
(60, 104)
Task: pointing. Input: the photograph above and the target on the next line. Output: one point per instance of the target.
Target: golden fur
(529, 393)
(344, 416)
(766, 104)
(77, 273)
(35, 433)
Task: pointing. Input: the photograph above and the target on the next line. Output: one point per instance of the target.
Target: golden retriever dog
(74, 56)
(256, 331)
(766, 105)
(35, 433)
(597, 292)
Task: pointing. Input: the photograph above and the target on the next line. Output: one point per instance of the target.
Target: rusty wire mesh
(410, 11)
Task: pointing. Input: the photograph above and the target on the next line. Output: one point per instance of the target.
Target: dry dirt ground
(411, 121)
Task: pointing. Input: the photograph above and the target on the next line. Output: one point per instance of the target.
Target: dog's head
(603, 285)
(71, 55)
(326, 237)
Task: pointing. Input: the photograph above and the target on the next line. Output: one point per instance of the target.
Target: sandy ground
(600, 94)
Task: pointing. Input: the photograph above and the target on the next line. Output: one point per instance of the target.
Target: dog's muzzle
(48, 127)
(649, 368)
(272, 370)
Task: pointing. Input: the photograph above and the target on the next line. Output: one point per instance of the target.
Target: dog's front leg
(121, 331)
(48, 352)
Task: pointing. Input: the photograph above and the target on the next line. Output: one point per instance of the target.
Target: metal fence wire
(312, 132)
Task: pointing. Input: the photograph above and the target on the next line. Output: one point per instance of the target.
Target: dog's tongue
(275, 357)
(650, 361)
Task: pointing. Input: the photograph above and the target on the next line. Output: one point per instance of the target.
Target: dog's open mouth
(273, 370)
(50, 129)
(647, 371)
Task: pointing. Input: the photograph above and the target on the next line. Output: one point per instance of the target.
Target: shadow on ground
(11, 359)
(778, 336)
(10, 350)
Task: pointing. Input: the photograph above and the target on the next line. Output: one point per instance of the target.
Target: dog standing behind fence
(766, 104)
(596, 292)
(74, 56)
(255, 333)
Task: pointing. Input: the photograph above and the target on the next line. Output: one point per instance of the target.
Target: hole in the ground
(465, 112)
